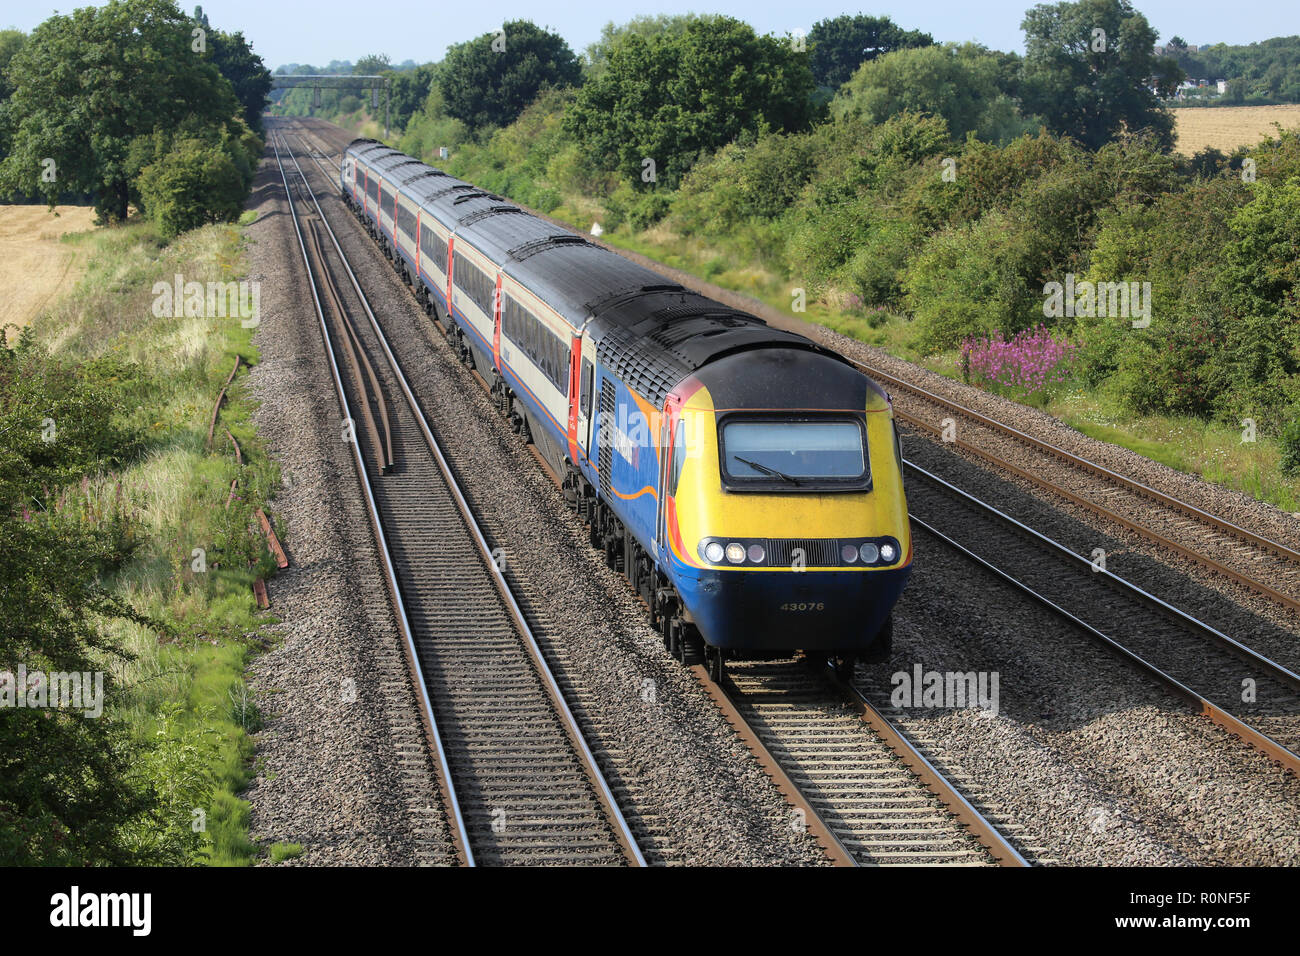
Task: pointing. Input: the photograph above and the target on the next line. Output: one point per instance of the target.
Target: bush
(972, 279)
(194, 181)
(1290, 440)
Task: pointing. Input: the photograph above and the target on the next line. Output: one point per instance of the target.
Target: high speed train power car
(746, 480)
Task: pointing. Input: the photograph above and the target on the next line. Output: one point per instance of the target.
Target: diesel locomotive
(747, 481)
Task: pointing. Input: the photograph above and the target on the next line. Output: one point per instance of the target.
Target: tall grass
(179, 682)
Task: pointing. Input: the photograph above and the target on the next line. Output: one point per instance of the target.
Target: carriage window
(679, 457)
(585, 400)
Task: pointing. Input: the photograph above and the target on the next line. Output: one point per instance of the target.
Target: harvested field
(1227, 127)
(34, 265)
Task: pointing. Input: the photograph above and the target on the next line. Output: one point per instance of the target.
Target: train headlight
(869, 552)
(736, 553)
(888, 553)
(713, 552)
(849, 553)
(756, 553)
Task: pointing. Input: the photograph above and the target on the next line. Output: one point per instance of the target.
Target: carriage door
(586, 382)
(667, 422)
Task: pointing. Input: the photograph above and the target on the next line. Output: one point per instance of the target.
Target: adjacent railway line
(1265, 566)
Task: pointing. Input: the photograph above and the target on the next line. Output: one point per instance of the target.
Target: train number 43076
(804, 606)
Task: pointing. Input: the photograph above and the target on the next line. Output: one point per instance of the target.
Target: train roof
(651, 333)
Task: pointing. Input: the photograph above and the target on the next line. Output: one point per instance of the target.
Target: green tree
(489, 80)
(841, 44)
(959, 83)
(11, 41)
(671, 97)
(372, 65)
(89, 83)
(596, 56)
(1087, 68)
(408, 90)
(67, 787)
(248, 75)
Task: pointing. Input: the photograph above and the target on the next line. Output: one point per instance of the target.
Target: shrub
(1290, 440)
(193, 184)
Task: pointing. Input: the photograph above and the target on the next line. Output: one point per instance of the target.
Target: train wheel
(715, 663)
(843, 665)
(692, 646)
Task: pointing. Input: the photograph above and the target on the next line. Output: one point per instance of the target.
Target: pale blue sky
(320, 31)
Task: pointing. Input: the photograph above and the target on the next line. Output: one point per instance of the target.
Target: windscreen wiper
(768, 471)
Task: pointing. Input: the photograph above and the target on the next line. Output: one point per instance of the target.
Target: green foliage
(488, 81)
(673, 96)
(191, 181)
(407, 91)
(245, 71)
(1290, 439)
(959, 83)
(69, 103)
(752, 178)
(65, 778)
(1093, 87)
(841, 44)
(11, 41)
(596, 56)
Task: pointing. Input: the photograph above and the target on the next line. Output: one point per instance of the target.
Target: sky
(287, 31)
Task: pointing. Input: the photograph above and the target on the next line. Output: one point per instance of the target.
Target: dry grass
(34, 265)
(1227, 127)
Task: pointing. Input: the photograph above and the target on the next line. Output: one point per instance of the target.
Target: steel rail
(428, 717)
(980, 827)
(1214, 522)
(620, 825)
(1220, 715)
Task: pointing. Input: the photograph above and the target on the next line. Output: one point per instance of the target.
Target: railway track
(861, 788)
(866, 792)
(1196, 661)
(519, 782)
(1267, 567)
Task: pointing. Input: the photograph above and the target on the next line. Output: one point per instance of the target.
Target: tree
(841, 44)
(959, 83)
(489, 80)
(88, 84)
(67, 787)
(596, 56)
(248, 75)
(372, 65)
(670, 97)
(408, 91)
(1089, 70)
(11, 41)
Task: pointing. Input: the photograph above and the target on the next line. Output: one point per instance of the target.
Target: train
(746, 480)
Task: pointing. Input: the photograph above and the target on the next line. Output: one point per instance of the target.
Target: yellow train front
(784, 515)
